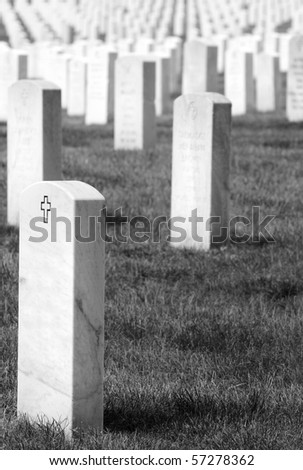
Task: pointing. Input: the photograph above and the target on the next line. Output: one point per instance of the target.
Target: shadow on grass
(141, 413)
(145, 411)
(186, 415)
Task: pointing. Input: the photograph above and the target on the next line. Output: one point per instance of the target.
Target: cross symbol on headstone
(45, 207)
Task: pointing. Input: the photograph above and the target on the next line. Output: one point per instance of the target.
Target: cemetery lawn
(203, 350)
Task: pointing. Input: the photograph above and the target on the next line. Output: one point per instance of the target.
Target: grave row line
(67, 20)
(265, 81)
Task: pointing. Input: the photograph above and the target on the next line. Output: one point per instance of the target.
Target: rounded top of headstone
(151, 57)
(216, 98)
(75, 190)
(37, 83)
(131, 57)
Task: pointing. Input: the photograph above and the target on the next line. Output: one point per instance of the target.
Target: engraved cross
(45, 207)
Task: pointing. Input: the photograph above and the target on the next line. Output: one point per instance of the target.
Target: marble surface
(200, 67)
(135, 122)
(268, 82)
(14, 64)
(200, 168)
(59, 72)
(34, 139)
(162, 63)
(61, 306)
(76, 90)
(294, 108)
(239, 81)
(100, 90)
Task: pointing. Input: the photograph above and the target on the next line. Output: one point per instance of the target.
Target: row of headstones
(65, 21)
(251, 80)
(104, 18)
(236, 71)
(258, 16)
(13, 26)
(87, 83)
(61, 347)
(60, 356)
(92, 20)
(34, 125)
(60, 342)
(34, 129)
(134, 124)
(155, 17)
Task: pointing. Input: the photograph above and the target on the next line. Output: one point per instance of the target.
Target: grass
(203, 350)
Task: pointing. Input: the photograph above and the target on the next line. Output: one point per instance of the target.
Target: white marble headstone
(294, 108)
(268, 82)
(76, 91)
(34, 139)
(135, 125)
(100, 88)
(4, 81)
(200, 169)
(239, 81)
(59, 74)
(61, 304)
(200, 67)
(13, 67)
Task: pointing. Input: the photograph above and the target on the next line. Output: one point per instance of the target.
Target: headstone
(249, 43)
(59, 74)
(135, 125)
(272, 43)
(284, 52)
(13, 67)
(162, 86)
(221, 42)
(100, 88)
(294, 109)
(200, 67)
(144, 46)
(162, 96)
(19, 65)
(76, 91)
(200, 169)
(68, 33)
(4, 81)
(80, 48)
(34, 139)
(61, 304)
(239, 82)
(125, 46)
(174, 46)
(268, 82)
(284, 66)
(43, 62)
